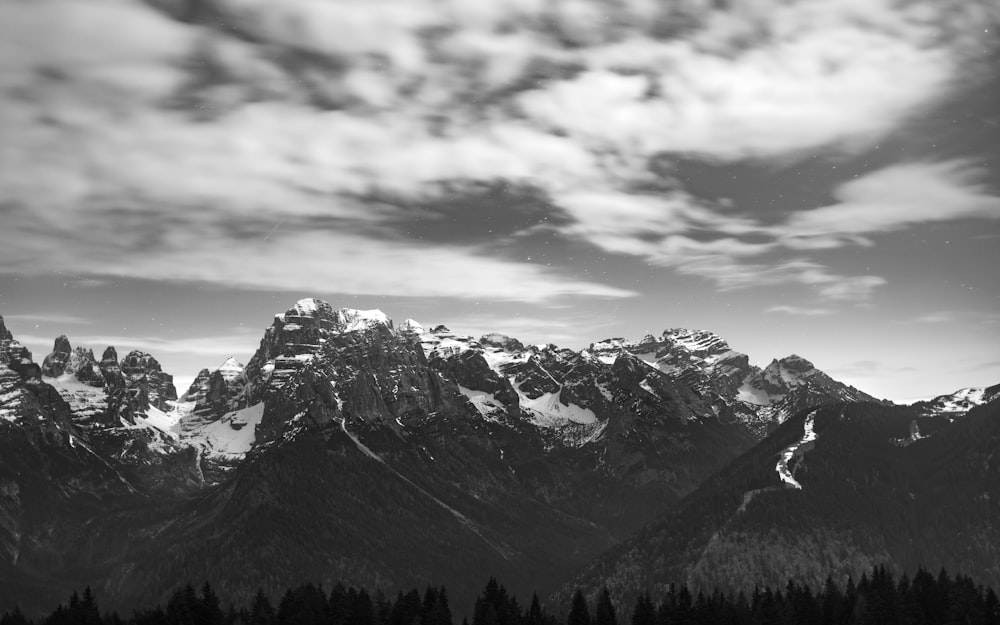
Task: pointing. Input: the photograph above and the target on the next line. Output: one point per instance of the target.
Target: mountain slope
(831, 492)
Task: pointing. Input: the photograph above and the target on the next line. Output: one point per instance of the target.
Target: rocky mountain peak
(144, 371)
(699, 342)
(789, 372)
(78, 362)
(231, 366)
(220, 391)
(410, 326)
(352, 320)
(16, 356)
(24, 396)
(502, 341)
(138, 363)
(110, 355)
(959, 402)
(310, 307)
(795, 362)
(54, 365)
(320, 315)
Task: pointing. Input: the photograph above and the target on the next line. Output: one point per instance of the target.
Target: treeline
(876, 599)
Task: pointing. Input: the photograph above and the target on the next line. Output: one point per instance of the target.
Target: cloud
(203, 246)
(957, 316)
(270, 145)
(47, 318)
(566, 331)
(218, 346)
(894, 198)
(943, 316)
(737, 251)
(798, 310)
(768, 102)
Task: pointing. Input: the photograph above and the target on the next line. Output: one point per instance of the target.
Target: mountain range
(351, 448)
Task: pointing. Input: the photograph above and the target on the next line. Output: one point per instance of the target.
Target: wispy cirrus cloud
(956, 316)
(47, 318)
(565, 331)
(799, 310)
(218, 346)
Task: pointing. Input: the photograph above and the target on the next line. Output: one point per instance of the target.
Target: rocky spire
(4, 332)
(55, 363)
(110, 369)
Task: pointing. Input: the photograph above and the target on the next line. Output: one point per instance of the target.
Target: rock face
(132, 386)
(79, 362)
(317, 364)
(219, 391)
(40, 464)
(24, 398)
(704, 362)
(110, 369)
(55, 363)
(143, 371)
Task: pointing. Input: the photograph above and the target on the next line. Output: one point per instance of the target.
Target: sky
(811, 177)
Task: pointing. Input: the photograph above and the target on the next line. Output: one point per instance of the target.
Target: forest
(875, 599)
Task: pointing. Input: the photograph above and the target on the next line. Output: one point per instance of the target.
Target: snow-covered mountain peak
(696, 341)
(310, 307)
(231, 369)
(352, 320)
(311, 310)
(795, 362)
(410, 326)
(231, 364)
(961, 401)
(441, 342)
(789, 371)
(607, 351)
(501, 341)
(77, 363)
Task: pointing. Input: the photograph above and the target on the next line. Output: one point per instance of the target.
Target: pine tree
(832, 609)
(337, 603)
(89, 613)
(14, 618)
(182, 607)
(209, 611)
(535, 615)
(992, 605)
(579, 613)
(261, 611)
(604, 610)
(362, 611)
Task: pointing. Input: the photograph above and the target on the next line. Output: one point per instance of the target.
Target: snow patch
(353, 320)
(411, 326)
(231, 436)
(485, 403)
(751, 395)
(795, 450)
(549, 412)
(306, 307)
(167, 422)
(497, 358)
(960, 401)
